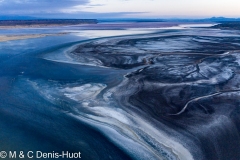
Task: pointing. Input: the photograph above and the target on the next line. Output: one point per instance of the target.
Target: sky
(121, 8)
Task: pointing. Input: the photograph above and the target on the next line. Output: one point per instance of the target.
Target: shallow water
(125, 94)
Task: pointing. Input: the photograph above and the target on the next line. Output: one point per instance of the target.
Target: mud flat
(228, 26)
(185, 84)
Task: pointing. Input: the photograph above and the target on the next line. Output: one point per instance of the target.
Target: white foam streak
(87, 91)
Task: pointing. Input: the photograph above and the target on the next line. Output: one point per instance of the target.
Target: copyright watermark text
(39, 155)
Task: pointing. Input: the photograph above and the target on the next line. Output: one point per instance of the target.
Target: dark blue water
(29, 122)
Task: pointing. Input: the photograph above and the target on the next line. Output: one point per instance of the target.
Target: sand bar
(4, 38)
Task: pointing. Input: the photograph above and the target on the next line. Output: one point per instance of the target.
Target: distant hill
(223, 19)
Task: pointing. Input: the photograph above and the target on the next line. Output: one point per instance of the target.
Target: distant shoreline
(4, 24)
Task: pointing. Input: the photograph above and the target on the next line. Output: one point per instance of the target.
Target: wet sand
(4, 38)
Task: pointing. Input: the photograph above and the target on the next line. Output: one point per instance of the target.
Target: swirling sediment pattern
(179, 97)
(173, 94)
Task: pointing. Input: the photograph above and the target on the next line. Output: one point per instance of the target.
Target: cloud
(38, 6)
(119, 8)
(91, 15)
(59, 9)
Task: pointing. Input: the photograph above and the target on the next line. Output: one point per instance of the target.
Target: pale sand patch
(4, 38)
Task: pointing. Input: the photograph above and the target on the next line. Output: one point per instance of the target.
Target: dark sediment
(228, 25)
(185, 82)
